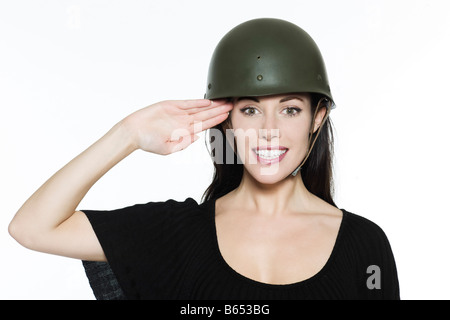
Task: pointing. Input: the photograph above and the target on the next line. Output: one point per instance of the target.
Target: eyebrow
(282, 100)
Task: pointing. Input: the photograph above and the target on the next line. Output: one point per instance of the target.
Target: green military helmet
(266, 56)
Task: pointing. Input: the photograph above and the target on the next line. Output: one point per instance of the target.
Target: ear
(320, 118)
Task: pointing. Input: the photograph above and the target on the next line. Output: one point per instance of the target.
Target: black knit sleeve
(132, 238)
(376, 267)
(383, 271)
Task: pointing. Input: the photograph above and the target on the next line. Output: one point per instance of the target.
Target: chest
(275, 250)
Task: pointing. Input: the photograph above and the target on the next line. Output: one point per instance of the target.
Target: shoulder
(360, 226)
(365, 237)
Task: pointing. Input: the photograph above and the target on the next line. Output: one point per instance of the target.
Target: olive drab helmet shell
(263, 57)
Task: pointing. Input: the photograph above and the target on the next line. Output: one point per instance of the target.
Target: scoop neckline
(241, 277)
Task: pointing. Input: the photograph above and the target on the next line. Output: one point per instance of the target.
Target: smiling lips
(270, 154)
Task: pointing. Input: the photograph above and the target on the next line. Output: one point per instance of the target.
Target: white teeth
(270, 154)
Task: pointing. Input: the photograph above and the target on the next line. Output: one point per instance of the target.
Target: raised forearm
(57, 199)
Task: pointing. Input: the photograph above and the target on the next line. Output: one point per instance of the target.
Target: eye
(249, 111)
(292, 111)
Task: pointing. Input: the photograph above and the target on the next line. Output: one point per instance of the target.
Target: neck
(283, 197)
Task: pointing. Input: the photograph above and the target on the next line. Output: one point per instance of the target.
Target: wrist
(126, 136)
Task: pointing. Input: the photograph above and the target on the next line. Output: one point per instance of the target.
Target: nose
(269, 129)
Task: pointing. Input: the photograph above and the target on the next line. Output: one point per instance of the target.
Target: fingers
(205, 114)
(209, 116)
(209, 123)
(213, 112)
(194, 106)
(194, 103)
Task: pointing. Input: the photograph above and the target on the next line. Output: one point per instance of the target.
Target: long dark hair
(316, 172)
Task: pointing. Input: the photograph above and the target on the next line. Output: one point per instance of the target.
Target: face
(271, 133)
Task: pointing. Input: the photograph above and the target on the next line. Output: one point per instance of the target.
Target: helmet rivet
(209, 86)
(259, 77)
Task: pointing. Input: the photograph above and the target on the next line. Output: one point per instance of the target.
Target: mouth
(270, 154)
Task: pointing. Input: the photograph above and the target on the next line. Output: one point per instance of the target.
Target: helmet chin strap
(296, 171)
(311, 145)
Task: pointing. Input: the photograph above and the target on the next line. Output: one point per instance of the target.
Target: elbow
(13, 230)
(20, 233)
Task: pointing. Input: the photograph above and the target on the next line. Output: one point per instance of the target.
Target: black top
(169, 250)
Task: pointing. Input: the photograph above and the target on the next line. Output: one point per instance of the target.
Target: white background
(69, 70)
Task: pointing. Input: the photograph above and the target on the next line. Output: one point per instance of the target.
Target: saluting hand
(170, 126)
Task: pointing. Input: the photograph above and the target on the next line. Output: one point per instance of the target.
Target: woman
(263, 231)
